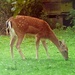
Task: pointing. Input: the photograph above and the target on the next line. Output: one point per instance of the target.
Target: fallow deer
(20, 25)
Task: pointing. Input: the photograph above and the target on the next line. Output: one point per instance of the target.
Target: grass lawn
(56, 65)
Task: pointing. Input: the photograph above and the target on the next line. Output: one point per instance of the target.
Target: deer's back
(26, 24)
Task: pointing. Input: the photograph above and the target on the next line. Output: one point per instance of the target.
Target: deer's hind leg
(12, 41)
(37, 45)
(19, 41)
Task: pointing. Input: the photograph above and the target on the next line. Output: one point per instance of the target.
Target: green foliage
(17, 6)
(72, 16)
(56, 65)
(27, 7)
(9, 1)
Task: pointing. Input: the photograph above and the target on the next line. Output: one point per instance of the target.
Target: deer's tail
(8, 26)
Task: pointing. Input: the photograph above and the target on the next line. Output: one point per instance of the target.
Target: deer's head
(63, 49)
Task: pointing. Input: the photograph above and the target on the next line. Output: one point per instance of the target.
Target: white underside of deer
(21, 25)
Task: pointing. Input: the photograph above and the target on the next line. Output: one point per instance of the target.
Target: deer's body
(21, 25)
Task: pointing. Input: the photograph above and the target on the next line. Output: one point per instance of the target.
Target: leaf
(17, 11)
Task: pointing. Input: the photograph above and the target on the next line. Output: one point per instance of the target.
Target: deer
(21, 25)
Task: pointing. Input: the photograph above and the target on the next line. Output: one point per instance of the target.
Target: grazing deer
(20, 25)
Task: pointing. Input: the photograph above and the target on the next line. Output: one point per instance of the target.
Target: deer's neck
(54, 39)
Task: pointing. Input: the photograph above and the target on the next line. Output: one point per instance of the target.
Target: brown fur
(26, 24)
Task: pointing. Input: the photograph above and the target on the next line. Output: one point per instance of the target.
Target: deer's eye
(65, 51)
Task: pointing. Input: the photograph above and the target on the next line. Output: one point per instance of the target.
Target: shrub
(71, 16)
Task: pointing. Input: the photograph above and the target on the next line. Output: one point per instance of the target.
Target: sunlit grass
(56, 65)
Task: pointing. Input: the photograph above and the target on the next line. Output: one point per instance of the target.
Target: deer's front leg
(45, 46)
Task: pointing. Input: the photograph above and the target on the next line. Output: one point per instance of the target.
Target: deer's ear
(60, 42)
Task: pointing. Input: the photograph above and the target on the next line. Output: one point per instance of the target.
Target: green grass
(56, 65)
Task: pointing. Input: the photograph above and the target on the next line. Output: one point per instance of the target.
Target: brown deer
(20, 25)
